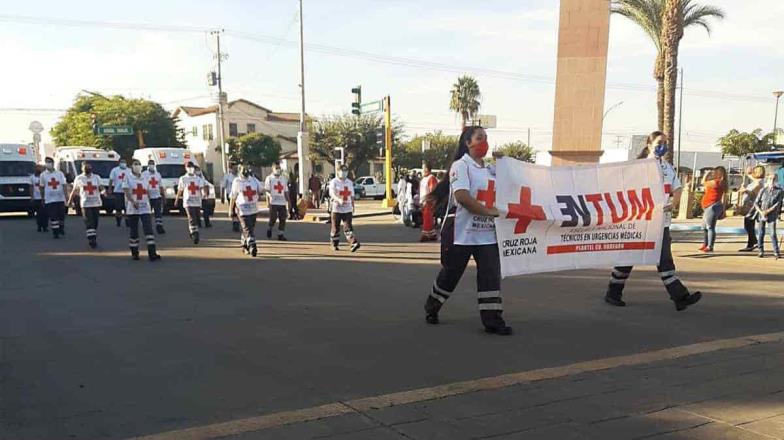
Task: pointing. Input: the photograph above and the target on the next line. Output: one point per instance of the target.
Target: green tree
(255, 149)
(649, 16)
(439, 154)
(518, 150)
(464, 98)
(357, 134)
(151, 123)
(736, 143)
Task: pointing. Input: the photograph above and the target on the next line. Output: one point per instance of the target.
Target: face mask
(122, 165)
(660, 150)
(482, 148)
(341, 175)
(190, 170)
(136, 169)
(151, 168)
(198, 173)
(88, 171)
(276, 172)
(49, 166)
(245, 173)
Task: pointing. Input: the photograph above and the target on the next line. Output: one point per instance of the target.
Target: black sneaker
(269, 233)
(747, 249)
(614, 301)
(254, 251)
(687, 301)
(503, 330)
(207, 224)
(761, 255)
(282, 238)
(432, 318)
(119, 221)
(135, 255)
(92, 242)
(159, 229)
(355, 247)
(195, 238)
(335, 247)
(55, 233)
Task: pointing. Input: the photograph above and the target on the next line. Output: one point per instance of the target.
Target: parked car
(369, 186)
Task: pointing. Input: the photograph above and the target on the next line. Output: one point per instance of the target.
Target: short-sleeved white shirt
(54, 186)
(276, 187)
(341, 194)
(117, 176)
(154, 183)
(140, 193)
(191, 186)
(89, 190)
(470, 229)
(246, 193)
(35, 180)
(671, 184)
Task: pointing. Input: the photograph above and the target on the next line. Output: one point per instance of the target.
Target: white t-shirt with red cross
(117, 176)
(89, 188)
(479, 181)
(140, 193)
(276, 187)
(191, 186)
(246, 194)
(54, 186)
(341, 193)
(671, 184)
(154, 183)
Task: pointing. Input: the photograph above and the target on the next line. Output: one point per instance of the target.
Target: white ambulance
(69, 160)
(17, 165)
(170, 162)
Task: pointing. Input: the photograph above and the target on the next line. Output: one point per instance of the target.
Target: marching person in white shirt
(38, 203)
(137, 208)
(469, 230)
(208, 200)
(276, 187)
(226, 187)
(244, 197)
(116, 178)
(679, 294)
(88, 186)
(341, 195)
(191, 189)
(157, 197)
(52, 183)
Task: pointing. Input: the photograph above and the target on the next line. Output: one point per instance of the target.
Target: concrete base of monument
(575, 157)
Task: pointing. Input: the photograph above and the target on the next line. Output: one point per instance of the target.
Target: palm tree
(672, 32)
(465, 98)
(649, 15)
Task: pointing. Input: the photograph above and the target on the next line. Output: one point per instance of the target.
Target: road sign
(116, 130)
(487, 121)
(36, 127)
(372, 107)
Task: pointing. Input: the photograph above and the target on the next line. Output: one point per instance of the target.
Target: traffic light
(356, 106)
(212, 79)
(94, 123)
(380, 135)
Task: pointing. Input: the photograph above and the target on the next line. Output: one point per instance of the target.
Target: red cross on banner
(525, 212)
(278, 187)
(54, 183)
(139, 191)
(192, 188)
(153, 182)
(90, 188)
(487, 195)
(249, 193)
(345, 193)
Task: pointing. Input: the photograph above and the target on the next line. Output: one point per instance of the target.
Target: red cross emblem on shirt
(192, 188)
(345, 193)
(121, 176)
(487, 195)
(139, 191)
(524, 211)
(249, 193)
(90, 188)
(54, 183)
(153, 182)
(278, 187)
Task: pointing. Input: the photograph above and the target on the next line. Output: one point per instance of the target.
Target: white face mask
(341, 175)
(276, 172)
(151, 168)
(49, 166)
(190, 170)
(122, 165)
(136, 169)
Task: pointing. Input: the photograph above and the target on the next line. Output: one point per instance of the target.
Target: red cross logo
(54, 183)
(139, 191)
(192, 188)
(524, 211)
(667, 188)
(278, 187)
(90, 188)
(345, 193)
(153, 182)
(249, 193)
(121, 176)
(487, 195)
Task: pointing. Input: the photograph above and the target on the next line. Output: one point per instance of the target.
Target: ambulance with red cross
(69, 160)
(170, 162)
(17, 165)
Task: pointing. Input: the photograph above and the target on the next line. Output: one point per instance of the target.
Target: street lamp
(778, 94)
(613, 107)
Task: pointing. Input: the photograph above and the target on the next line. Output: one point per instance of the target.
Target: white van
(69, 160)
(17, 165)
(170, 162)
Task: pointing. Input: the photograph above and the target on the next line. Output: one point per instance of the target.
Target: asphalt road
(94, 345)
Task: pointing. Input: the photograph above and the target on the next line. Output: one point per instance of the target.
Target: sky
(408, 49)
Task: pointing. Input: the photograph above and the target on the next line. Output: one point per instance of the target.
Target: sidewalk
(733, 393)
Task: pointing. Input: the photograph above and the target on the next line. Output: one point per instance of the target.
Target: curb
(696, 228)
(325, 217)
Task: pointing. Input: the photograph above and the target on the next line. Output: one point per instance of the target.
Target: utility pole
(529, 137)
(680, 127)
(389, 202)
(221, 122)
(778, 94)
(302, 135)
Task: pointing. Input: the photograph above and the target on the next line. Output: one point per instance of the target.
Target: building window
(232, 129)
(206, 131)
(195, 131)
(251, 128)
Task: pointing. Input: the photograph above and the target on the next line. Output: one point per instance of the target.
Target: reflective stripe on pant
(91, 216)
(666, 268)
(194, 218)
(146, 221)
(454, 260)
(248, 224)
(278, 213)
(157, 209)
(347, 218)
(56, 213)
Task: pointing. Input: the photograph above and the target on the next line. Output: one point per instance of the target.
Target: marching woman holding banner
(469, 230)
(657, 148)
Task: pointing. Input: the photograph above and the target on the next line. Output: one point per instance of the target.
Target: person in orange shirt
(426, 186)
(715, 184)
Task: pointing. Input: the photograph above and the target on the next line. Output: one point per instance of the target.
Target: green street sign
(372, 107)
(116, 130)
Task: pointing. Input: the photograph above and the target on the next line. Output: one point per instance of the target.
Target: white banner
(576, 217)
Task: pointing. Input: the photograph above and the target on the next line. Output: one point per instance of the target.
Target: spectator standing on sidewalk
(768, 206)
(750, 191)
(715, 184)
